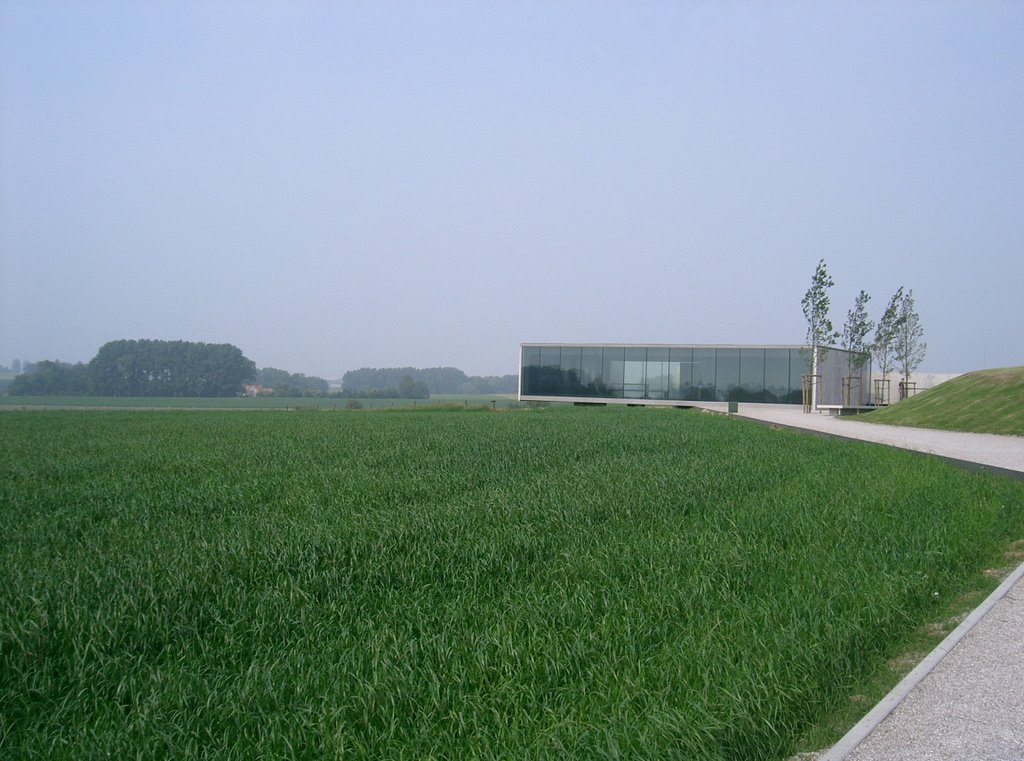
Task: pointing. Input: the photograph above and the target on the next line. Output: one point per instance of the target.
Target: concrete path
(965, 700)
(1004, 452)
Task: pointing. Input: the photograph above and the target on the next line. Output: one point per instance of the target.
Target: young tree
(855, 332)
(815, 305)
(854, 339)
(909, 346)
(885, 335)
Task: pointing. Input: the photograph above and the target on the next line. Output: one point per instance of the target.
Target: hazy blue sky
(337, 185)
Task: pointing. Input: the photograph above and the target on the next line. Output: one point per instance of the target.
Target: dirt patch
(901, 664)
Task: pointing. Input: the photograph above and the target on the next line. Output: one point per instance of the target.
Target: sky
(336, 185)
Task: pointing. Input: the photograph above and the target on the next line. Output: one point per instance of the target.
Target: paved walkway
(1004, 452)
(965, 701)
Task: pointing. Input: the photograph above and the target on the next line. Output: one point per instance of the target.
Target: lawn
(985, 401)
(531, 584)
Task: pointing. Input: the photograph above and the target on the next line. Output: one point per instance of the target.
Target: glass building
(666, 374)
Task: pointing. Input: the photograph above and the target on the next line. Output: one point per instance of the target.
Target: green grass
(252, 403)
(985, 401)
(533, 584)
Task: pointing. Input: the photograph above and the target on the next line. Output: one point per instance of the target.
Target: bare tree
(909, 347)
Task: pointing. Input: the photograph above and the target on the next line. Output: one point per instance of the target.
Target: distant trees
(413, 389)
(187, 368)
(284, 383)
(144, 368)
(438, 380)
(52, 378)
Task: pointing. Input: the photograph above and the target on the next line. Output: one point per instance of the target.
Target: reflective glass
(677, 373)
(531, 362)
(703, 375)
(751, 375)
(727, 375)
(634, 373)
(591, 383)
(614, 366)
(799, 365)
(549, 370)
(657, 371)
(570, 375)
(681, 373)
(777, 382)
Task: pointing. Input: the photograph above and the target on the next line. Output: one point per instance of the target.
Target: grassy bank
(556, 582)
(985, 401)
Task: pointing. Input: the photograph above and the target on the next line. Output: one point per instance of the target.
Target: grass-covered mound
(985, 401)
(536, 584)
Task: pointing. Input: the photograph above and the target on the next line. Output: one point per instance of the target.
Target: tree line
(898, 341)
(187, 368)
(143, 368)
(437, 380)
(283, 383)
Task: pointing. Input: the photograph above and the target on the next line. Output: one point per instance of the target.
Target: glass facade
(666, 374)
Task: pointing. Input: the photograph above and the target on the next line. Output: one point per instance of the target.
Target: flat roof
(586, 345)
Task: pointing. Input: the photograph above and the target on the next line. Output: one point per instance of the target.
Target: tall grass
(558, 582)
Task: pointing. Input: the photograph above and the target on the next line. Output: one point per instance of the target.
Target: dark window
(751, 375)
(727, 374)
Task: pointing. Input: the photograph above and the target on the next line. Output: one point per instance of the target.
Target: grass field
(985, 401)
(533, 584)
(498, 401)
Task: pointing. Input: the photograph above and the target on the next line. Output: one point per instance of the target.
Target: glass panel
(591, 383)
(570, 376)
(614, 367)
(799, 365)
(548, 380)
(777, 383)
(727, 374)
(703, 375)
(751, 375)
(681, 374)
(634, 377)
(531, 363)
(657, 374)
(678, 373)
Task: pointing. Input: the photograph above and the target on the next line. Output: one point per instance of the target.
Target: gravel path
(1006, 452)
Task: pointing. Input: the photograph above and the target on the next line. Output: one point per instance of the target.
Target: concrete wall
(923, 381)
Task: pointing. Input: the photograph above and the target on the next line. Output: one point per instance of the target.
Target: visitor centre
(661, 374)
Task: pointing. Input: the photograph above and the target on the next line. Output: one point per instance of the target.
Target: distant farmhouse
(676, 374)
